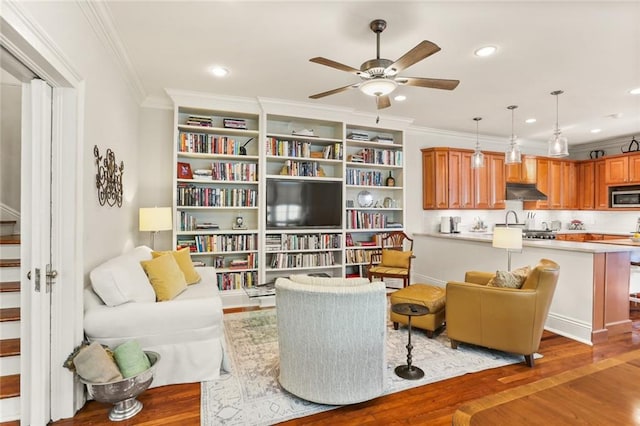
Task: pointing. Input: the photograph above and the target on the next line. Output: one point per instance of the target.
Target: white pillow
(122, 279)
(328, 281)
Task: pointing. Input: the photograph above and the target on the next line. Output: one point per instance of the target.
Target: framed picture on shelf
(184, 171)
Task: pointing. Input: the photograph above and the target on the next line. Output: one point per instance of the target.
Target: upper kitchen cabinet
(435, 178)
(524, 172)
(622, 169)
(586, 177)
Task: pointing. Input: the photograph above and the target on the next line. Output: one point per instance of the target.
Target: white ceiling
(591, 50)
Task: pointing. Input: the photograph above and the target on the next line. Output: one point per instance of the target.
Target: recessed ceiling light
(219, 71)
(400, 98)
(635, 91)
(485, 51)
(596, 130)
(530, 120)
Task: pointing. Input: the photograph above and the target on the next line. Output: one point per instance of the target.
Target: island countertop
(609, 246)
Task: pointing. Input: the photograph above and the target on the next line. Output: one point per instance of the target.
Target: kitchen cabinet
(558, 180)
(449, 182)
(542, 183)
(569, 197)
(555, 184)
(524, 172)
(435, 178)
(623, 169)
(601, 199)
(586, 183)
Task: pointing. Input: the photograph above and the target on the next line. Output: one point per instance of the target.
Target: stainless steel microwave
(625, 197)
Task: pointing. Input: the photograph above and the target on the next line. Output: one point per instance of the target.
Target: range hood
(524, 191)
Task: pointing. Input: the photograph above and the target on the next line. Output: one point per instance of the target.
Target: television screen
(303, 204)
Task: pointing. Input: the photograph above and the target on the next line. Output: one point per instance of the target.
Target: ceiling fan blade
(333, 92)
(383, 101)
(423, 50)
(336, 65)
(433, 83)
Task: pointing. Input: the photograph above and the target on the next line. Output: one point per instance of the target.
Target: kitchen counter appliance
(540, 234)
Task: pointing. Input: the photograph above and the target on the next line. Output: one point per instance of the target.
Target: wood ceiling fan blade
(383, 101)
(432, 83)
(336, 65)
(422, 50)
(333, 92)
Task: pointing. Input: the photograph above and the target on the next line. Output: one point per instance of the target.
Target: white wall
(10, 122)
(111, 116)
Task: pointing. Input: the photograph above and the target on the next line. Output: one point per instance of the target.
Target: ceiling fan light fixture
(477, 158)
(513, 154)
(378, 87)
(558, 143)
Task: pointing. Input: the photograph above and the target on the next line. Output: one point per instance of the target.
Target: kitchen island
(591, 301)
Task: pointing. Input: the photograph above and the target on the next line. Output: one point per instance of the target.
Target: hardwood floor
(432, 404)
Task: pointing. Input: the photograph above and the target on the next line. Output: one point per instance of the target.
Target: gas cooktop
(542, 234)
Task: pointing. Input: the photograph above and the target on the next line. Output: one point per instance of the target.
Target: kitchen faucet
(506, 217)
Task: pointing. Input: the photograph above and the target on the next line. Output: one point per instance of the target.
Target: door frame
(24, 39)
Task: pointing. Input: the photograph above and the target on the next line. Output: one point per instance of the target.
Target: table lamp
(507, 238)
(155, 219)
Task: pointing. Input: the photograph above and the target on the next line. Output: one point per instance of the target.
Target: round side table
(409, 372)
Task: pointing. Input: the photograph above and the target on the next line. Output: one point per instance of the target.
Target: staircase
(9, 323)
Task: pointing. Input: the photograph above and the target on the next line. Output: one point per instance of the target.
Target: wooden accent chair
(393, 260)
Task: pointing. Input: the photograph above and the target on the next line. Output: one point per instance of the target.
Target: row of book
(188, 222)
(236, 280)
(193, 196)
(364, 177)
(387, 157)
(358, 256)
(301, 260)
(199, 120)
(208, 144)
(363, 220)
(234, 171)
(219, 243)
(295, 148)
(276, 242)
(301, 168)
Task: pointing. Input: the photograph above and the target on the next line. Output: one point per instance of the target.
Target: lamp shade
(155, 219)
(507, 238)
(378, 86)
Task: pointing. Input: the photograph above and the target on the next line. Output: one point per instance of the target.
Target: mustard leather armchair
(506, 319)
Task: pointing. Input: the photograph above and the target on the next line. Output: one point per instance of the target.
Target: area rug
(250, 393)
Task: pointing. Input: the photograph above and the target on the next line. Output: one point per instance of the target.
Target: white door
(36, 208)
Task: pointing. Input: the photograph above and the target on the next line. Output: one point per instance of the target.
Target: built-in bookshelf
(216, 196)
(226, 168)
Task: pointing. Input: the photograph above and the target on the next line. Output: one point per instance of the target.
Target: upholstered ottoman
(431, 296)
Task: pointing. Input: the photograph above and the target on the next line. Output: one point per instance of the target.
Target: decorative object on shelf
(184, 171)
(558, 143)
(513, 155)
(108, 178)
(509, 239)
(234, 123)
(303, 132)
(597, 153)
(238, 223)
(634, 146)
(477, 158)
(391, 181)
(219, 262)
(576, 225)
(350, 204)
(380, 76)
(387, 203)
(243, 150)
(154, 220)
(365, 199)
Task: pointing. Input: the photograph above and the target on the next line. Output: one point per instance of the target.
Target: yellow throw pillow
(183, 257)
(513, 279)
(165, 277)
(396, 258)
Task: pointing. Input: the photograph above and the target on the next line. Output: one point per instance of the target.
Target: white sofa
(331, 335)
(186, 331)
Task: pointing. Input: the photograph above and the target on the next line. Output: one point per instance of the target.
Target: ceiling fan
(380, 76)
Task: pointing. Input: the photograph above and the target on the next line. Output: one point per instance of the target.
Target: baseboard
(419, 278)
(569, 327)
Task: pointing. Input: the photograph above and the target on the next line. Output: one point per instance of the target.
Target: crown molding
(157, 102)
(99, 18)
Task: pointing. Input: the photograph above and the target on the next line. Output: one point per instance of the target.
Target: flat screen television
(303, 204)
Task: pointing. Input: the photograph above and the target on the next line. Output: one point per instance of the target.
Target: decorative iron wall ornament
(108, 178)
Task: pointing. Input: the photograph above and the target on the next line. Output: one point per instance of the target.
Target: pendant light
(513, 155)
(558, 143)
(477, 159)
